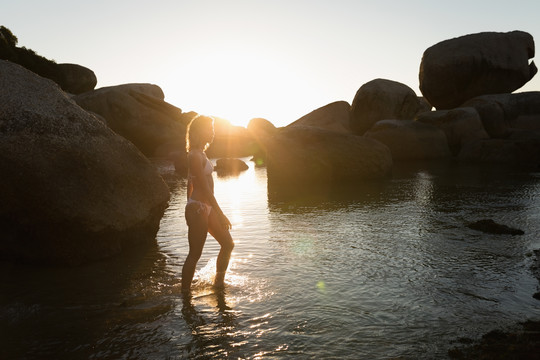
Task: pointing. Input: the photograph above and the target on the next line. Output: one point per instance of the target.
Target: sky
(240, 59)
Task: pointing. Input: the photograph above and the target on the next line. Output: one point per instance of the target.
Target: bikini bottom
(204, 208)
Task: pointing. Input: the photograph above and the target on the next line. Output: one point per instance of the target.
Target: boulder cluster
(77, 184)
(467, 113)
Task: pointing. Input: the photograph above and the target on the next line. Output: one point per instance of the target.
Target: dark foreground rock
(491, 227)
(71, 191)
(456, 70)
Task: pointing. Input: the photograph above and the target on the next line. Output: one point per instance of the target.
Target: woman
(203, 214)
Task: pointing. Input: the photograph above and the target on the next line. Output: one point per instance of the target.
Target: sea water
(369, 271)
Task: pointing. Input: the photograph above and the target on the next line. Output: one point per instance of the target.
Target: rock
(382, 99)
(492, 116)
(260, 130)
(424, 105)
(332, 117)
(71, 191)
(491, 227)
(230, 141)
(518, 152)
(456, 70)
(260, 127)
(302, 157)
(138, 113)
(411, 140)
(502, 112)
(76, 79)
(230, 166)
(460, 125)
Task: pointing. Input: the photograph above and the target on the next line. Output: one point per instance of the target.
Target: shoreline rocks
(72, 190)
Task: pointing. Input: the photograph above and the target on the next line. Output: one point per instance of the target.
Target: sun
(234, 84)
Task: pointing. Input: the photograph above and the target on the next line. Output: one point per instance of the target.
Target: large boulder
(305, 156)
(71, 190)
(382, 99)
(456, 70)
(139, 113)
(333, 117)
(411, 140)
(76, 79)
(460, 125)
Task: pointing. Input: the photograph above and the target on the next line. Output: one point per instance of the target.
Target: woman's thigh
(219, 231)
(197, 226)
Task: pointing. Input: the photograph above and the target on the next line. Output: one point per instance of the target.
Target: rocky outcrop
(332, 117)
(72, 78)
(411, 140)
(302, 157)
(460, 125)
(382, 99)
(71, 190)
(456, 70)
(502, 112)
(138, 113)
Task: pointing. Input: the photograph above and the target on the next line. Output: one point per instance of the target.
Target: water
(374, 271)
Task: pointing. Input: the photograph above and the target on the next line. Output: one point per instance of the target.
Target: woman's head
(200, 132)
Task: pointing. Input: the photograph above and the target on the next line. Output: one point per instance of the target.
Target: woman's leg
(224, 238)
(197, 232)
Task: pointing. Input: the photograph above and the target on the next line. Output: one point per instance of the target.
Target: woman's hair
(193, 132)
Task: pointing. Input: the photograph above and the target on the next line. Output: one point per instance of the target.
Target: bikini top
(208, 168)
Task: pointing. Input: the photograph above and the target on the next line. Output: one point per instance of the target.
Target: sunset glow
(243, 59)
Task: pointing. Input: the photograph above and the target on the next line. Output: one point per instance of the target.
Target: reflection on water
(368, 270)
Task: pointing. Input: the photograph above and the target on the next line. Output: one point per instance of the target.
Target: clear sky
(241, 59)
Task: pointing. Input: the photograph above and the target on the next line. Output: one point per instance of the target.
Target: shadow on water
(213, 332)
(83, 312)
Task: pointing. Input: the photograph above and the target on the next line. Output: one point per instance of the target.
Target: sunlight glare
(235, 84)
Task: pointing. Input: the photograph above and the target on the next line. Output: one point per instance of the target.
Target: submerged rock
(230, 166)
(456, 70)
(491, 227)
(71, 191)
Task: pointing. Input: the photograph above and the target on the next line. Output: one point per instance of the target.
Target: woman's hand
(225, 221)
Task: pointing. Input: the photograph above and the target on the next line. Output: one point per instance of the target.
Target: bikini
(204, 208)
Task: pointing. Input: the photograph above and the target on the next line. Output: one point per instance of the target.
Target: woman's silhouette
(203, 214)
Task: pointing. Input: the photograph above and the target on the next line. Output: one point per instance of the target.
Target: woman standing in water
(203, 214)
